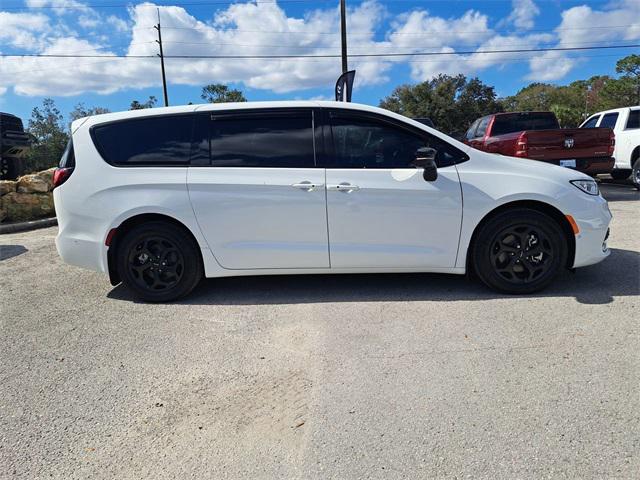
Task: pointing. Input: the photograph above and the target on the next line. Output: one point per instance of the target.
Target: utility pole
(343, 35)
(161, 55)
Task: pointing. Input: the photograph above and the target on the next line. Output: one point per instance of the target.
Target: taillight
(522, 145)
(61, 175)
(612, 142)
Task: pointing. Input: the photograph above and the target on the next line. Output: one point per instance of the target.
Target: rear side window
(278, 140)
(609, 120)
(152, 141)
(591, 123)
(519, 122)
(634, 119)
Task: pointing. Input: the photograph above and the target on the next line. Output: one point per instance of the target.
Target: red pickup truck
(538, 136)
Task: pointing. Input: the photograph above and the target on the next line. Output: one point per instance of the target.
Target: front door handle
(308, 186)
(344, 187)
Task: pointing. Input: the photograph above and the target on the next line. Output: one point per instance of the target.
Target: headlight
(587, 186)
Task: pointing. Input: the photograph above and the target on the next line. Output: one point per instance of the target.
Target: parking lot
(354, 376)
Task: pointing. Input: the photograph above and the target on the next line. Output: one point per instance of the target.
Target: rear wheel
(620, 174)
(519, 251)
(159, 262)
(635, 173)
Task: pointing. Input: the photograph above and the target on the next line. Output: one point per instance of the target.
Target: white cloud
(523, 14)
(254, 29)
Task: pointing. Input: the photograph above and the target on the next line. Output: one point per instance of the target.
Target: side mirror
(426, 159)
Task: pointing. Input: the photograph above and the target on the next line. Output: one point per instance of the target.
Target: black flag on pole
(344, 86)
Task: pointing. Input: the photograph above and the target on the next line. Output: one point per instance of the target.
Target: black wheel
(635, 173)
(620, 174)
(159, 262)
(519, 251)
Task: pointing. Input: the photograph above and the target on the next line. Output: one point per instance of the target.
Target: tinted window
(519, 122)
(634, 119)
(609, 120)
(361, 142)
(68, 159)
(591, 123)
(482, 127)
(162, 141)
(283, 140)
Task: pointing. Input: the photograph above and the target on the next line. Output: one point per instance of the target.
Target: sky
(296, 27)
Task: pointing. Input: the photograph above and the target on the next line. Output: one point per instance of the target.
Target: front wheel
(519, 251)
(159, 262)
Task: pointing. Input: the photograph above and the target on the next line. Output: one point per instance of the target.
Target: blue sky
(297, 27)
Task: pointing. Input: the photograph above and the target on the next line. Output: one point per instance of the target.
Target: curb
(26, 226)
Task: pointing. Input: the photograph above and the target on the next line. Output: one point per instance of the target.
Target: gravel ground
(358, 376)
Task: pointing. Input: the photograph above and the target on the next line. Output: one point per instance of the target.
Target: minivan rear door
(256, 191)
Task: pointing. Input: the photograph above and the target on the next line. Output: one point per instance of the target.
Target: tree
(219, 93)
(136, 105)
(50, 137)
(452, 102)
(629, 67)
(80, 111)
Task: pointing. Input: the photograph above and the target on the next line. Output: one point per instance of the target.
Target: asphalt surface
(318, 377)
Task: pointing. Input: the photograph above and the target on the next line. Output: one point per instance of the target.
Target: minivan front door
(256, 192)
(381, 211)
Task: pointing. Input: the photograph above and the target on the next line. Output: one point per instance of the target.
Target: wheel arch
(539, 206)
(127, 225)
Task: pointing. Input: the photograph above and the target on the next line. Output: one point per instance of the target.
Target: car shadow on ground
(619, 191)
(10, 251)
(598, 284)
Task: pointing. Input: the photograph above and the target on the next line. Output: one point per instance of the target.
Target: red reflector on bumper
(110, 235)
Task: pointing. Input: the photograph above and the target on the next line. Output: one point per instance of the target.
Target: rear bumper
(590, 166)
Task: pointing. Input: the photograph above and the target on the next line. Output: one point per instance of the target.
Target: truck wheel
(620, 174)
(159, 262)
(635, 174)
(519, 251)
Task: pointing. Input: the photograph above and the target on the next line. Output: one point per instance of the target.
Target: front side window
(277, 140)
(591, 123)
(360, 142)
(634, 119)
(152, 141)
(609, 120)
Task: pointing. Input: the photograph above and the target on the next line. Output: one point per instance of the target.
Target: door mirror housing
(426, 159)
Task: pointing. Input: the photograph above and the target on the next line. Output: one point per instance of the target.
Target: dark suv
(14, 143)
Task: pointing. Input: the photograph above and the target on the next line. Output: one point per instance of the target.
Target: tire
(635, 174)
(620, 174)
(159, 262)
(519, 251)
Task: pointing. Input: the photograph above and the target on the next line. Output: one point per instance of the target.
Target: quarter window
(361, 142)
(482, 127)
(280, 140)
(591, 123)
(609, 120)
(634, 119)
(152, 141)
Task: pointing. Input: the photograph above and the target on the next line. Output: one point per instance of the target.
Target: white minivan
(160, 198)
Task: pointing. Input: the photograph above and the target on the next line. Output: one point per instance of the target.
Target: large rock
(7, 186)
(47, 176)
(22, 207)
(33, 183)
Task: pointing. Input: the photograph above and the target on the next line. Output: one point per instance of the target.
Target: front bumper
(591, 241)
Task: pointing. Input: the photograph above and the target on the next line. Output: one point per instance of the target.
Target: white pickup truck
(625, 123)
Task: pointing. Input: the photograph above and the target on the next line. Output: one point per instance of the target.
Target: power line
(362, 55)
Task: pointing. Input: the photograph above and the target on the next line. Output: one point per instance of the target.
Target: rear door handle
(343, 187)
(308, 186)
